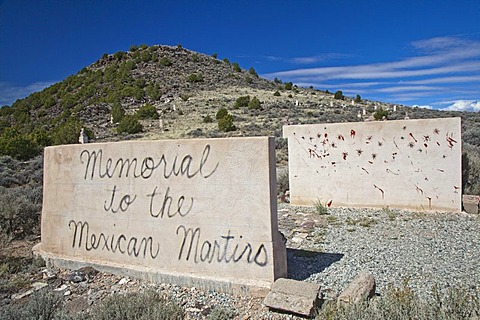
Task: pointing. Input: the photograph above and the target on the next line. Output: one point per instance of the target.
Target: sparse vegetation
(117, 112)
(254, 103)
(147, 111)
(242, 102)
(222, 112)
(236, 67)
(253, 72)
(164, 61)
(380, 114)
(402, 303)
(225, 123)
(207, 119)
(338, 95)
(320, 208)
(130, 125)
(195, 77)
(288, 86)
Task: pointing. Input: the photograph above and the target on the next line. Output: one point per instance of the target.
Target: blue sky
(424, 53)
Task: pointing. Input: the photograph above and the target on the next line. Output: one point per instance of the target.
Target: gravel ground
(425, 249)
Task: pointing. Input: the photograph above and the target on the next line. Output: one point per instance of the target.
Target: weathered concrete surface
(293, 296)
(360, 289)
(410, 164)
(470, 203)
(192, 212)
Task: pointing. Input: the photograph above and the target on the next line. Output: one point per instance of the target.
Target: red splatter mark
(426, 145)
(344, 155)
(340, 137)
(450, 141)
(383, 192)
(411, 135)
(352, 133)
(329, 203)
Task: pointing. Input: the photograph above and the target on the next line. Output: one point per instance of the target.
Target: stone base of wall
(235, 286)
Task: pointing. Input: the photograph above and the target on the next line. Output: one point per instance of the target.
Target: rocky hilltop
(185, 90)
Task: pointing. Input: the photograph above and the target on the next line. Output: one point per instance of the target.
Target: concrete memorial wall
(411, 164)
(192, 212)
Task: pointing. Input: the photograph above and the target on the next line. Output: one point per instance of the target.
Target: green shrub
(69, 131)
(117, 112)
(195, 77)
(277, 94)
(17, 145)
(133, 48)
(214, 55)
(288, 86)
(195, 57)
(236, 67)
(164, 61)
(222, 112)
(242, 102)
(358, 98)
(320, 208)
(20, 210)
(380, 114)
(403, 303)
(226, 123)
(130, 125)
(147, 111)
(226, 61)
(277, 81)
(338, 95)
(141, 306)
(222, 313)
(254, 103)
(283, 182)
(184, 97)
(43, 304)
(253, 72)
(207, 119)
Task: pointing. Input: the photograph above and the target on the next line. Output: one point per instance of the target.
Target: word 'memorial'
(157, 210)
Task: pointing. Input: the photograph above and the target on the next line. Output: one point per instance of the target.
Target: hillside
(169, 93)
(179, 93)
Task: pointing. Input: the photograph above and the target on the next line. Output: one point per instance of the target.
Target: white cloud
(423, 107)
(442, 68)
(464, 105)
(317, 58)
(9, 93)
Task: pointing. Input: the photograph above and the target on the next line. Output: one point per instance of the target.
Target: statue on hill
(83, 138)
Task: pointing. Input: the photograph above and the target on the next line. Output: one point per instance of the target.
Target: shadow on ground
(302, 264)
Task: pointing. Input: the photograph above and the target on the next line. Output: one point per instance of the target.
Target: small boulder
(293, 296)
(470, 203)
(360, 289)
